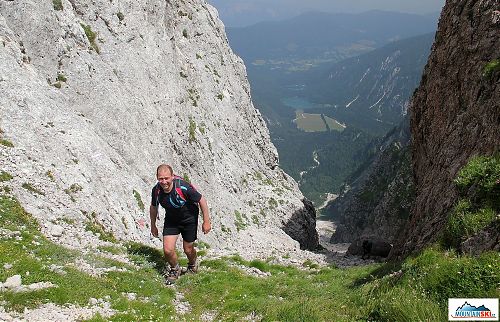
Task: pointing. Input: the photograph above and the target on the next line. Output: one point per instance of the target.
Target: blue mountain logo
(467, 310)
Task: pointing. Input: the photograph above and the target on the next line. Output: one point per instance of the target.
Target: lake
(298, 103)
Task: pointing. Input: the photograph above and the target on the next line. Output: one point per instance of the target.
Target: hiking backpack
(177, 198)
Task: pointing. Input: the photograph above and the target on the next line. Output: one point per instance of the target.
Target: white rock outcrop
(94, 95)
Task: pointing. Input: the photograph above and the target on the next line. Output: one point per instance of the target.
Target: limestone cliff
(94, 95)
(455, 113)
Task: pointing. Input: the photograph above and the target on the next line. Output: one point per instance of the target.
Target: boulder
(369, 247)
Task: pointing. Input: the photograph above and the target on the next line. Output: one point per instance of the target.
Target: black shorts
(188, 228)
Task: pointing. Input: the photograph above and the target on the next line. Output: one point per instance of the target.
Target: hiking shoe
(192, 268)
(173, 274)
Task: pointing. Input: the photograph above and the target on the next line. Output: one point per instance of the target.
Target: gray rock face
(94, 96)
(455, 114)
(485, 240)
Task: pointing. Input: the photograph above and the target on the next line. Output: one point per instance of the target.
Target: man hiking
(180, 200)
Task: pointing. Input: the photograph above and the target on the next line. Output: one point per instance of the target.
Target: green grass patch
(73, 190)
(309, 122)
(31, 188)
(334, 125)
(478, 184)
(5, 176)
(192, 130)
(465, 222)
(61, 77)
(239, 221)
(491, 67)
(479, 179)
(273, 204)
(91, 36)
(137, 196)
(193, 95)
(94, 226)
(414, 290)
(6, 143)
(73, 286)
(185, 177)
(57, 5)
(113, 249)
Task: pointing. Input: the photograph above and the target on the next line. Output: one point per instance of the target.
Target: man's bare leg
(169, 249)
(190, 252)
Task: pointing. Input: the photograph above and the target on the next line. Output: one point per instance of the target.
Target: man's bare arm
(207, 225)
(153, 214)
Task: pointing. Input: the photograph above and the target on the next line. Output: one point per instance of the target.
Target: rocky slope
(94, 95)
(455, 113)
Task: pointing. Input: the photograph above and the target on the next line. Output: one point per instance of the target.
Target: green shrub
(72, 190)
(61, 78)
(120, 16)
(239, 222)
(139, 200)
(6, 143)
(192, 130)
(185, 33)
(50, 175)
(273, 203)
(4, 176)
(31, 188)
(186, 178)
(57, 5)
(220, 96)
(91, 36)
(194, 96)
(491, 67)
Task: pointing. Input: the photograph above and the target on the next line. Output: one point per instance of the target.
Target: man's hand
(154, 230)
(206, 227)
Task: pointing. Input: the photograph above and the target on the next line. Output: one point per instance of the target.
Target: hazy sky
(236, 13)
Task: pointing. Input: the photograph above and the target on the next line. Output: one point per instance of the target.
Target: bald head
(164, 167)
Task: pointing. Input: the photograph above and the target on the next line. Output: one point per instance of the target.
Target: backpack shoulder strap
(157, 194)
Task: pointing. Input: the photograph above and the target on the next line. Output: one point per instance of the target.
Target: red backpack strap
(178, 188)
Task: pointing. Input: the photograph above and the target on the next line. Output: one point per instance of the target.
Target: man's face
(165, 179)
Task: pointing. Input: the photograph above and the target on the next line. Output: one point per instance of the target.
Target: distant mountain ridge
(377, 84)
(315, 34)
